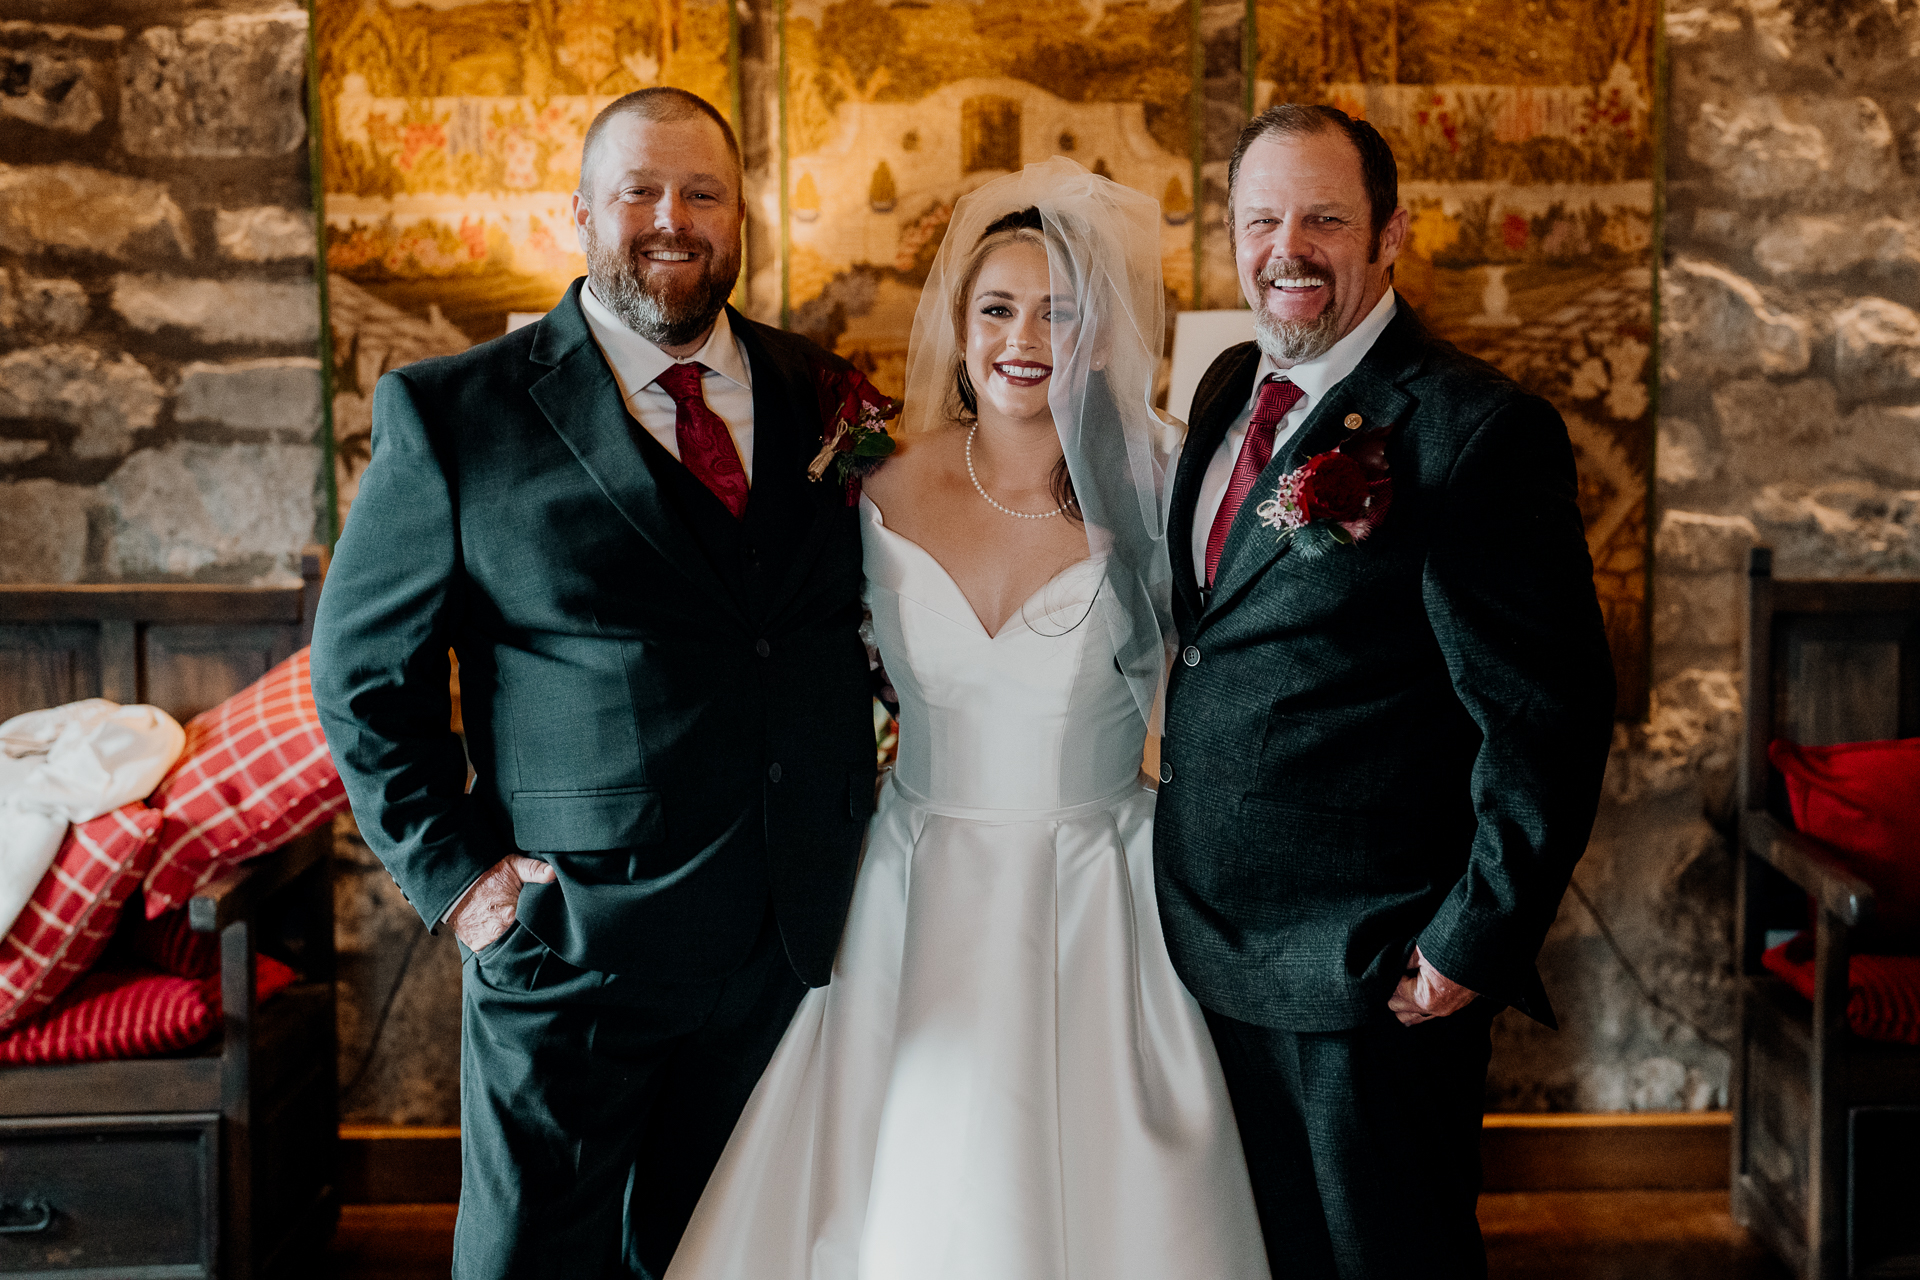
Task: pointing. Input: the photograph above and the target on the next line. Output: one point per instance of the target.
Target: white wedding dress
(1004, 1080)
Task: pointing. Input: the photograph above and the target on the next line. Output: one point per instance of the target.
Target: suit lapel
(1226, 397)
(583, 403)
(1373, 392)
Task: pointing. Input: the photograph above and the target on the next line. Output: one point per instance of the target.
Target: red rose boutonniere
(856, 439)
(1332, 499)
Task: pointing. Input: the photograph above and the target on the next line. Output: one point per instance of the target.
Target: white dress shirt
(727, 385)
(1315, 378)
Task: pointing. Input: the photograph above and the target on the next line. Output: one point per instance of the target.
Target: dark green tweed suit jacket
(1401, 741)
(670, 706)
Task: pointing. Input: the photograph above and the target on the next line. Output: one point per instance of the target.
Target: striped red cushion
(255, 773)
(1883, 995)
(131, 1013)
(68, 920)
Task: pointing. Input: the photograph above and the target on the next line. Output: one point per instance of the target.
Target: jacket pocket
(1322, 849)
(587, 821)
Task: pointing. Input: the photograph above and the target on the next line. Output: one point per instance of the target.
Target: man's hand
(1425, 993)
(486, 911)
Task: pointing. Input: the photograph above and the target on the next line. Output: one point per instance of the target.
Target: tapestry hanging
(1524, 135)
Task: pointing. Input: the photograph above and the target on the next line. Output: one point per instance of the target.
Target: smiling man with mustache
(1382, 755)
(607, 516)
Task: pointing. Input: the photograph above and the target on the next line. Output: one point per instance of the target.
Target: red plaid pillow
(254, 774)
(131, 1013)
(70, 917)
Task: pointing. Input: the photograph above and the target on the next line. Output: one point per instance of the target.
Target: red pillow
(254, 774)
(131, 1013)
(1883, 992)
(70, 917)
(1863, 798)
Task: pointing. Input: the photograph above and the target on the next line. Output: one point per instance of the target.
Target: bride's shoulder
(915, 459)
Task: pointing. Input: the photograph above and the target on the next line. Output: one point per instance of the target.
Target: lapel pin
(1353, 422)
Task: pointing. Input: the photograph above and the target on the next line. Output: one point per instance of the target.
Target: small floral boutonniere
(1332, 499)
(856, 439)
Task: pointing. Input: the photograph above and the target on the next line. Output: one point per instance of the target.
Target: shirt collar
(1319, 375)
(639, 362)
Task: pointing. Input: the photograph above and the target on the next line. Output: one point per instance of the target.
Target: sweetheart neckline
(1019, 615)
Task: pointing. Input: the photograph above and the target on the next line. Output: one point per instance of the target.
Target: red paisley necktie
(1277, 395)
(706, 446)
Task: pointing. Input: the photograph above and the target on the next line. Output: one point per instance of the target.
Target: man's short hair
(665, 104)
(1299, 119)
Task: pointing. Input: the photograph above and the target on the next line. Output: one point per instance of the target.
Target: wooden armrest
(1809, 863)
(239, 893)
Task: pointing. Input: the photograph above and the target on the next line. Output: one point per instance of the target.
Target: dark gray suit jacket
(1401, 741)
(669, 705)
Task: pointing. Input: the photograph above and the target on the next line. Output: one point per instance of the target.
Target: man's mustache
(1283, 268)
(640, 246)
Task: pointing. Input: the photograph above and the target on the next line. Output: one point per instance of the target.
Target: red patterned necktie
(1277, 395)
(706, 446)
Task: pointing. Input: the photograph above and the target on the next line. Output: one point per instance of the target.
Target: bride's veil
(1103, 248)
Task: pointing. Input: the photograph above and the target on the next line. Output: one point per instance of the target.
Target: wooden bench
(1826, 1126)
(220, 1160)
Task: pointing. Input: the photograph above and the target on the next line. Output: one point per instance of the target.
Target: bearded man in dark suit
(607, 516)
(1383, 752)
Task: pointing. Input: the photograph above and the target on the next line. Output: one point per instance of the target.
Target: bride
(1005, 1080)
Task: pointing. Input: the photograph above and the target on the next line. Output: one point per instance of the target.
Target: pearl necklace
(981, 490)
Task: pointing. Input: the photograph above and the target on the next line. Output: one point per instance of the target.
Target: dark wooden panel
(1842, 690)
(1778, 1125)
(133, 1085)
(135, 1193)
(1878, 1073)
(295, 1137)
(191, 668)
(233, 606)
(1883, 1229)
(1844, 596)
(45, 666)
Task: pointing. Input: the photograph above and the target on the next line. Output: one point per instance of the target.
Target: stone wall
(160, 391)
(1790, 415)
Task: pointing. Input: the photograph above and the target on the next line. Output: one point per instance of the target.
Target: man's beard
(1296, 340)
(664, 314)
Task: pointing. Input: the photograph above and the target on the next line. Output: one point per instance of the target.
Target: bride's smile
(1022, 373)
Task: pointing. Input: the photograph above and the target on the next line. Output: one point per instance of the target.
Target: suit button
(762, 648)
(1166, 772)
(1191, 657)
(773, 772)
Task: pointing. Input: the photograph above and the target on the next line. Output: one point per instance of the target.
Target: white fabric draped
(71, 764)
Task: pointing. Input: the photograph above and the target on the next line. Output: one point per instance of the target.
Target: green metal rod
(786, 238)
(329, 523)
(1197, 136)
